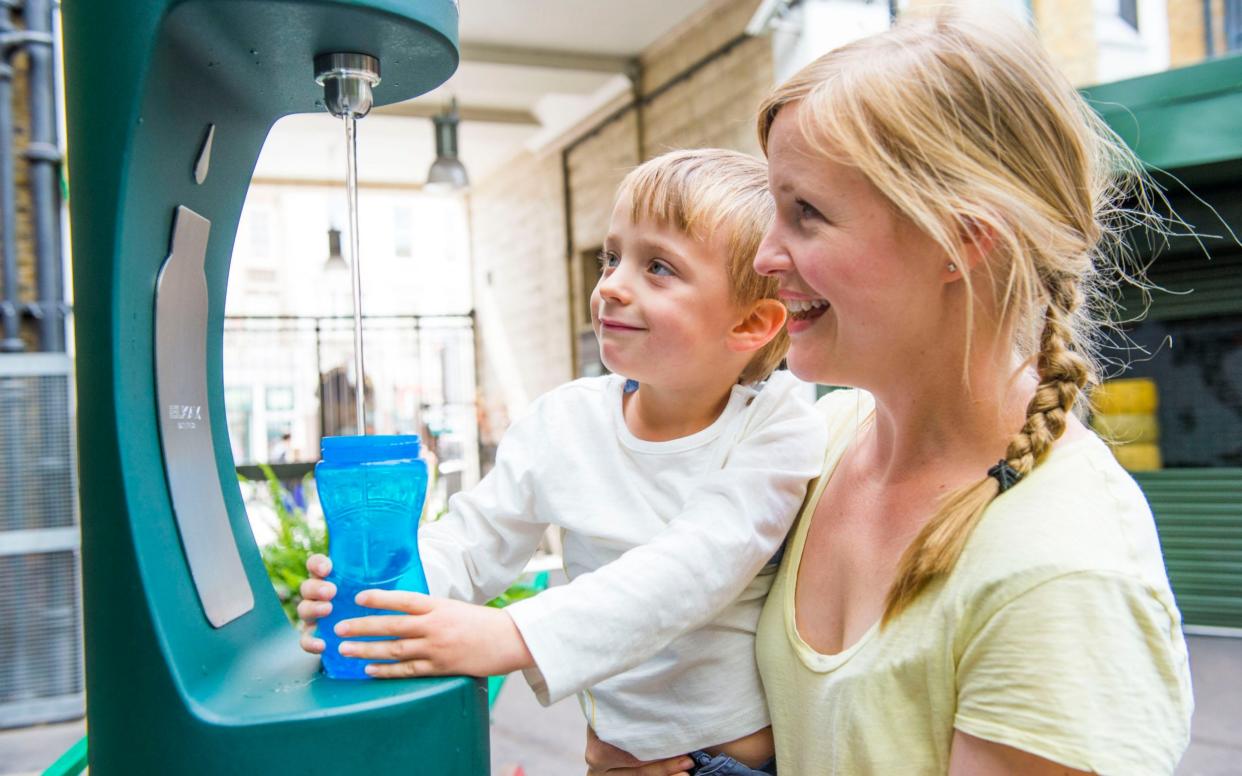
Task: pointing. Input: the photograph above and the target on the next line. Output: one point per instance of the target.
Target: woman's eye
(607, 260)
(660, 268)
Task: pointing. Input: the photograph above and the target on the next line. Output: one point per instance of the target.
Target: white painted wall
(815, 27)
(1126, 52)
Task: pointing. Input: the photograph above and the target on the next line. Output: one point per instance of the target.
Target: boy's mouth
(806, 309)
(608, 324)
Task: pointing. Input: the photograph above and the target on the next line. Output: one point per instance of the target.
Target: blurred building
(41, 674)
(477, 300)
(1175, 85)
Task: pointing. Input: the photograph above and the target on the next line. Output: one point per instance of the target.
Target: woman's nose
(772, 258)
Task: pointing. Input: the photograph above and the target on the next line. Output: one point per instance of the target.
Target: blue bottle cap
(370, 449)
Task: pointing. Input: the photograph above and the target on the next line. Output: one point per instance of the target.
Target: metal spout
(347, 80)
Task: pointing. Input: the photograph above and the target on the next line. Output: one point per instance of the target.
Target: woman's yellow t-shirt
(1056, 633)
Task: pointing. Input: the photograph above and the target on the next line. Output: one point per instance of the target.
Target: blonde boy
(674, 489)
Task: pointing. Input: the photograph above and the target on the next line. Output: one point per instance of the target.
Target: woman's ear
(761, 323)
(976, 240)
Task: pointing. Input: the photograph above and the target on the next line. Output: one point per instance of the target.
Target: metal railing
(289, 382)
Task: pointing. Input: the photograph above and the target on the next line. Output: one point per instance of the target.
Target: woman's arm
(1087, 669)
(971, 756)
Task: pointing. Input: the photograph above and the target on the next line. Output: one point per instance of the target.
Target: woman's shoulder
(1078, 512)
(842, 407)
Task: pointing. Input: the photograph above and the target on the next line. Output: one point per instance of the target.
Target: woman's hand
(603, 758)
(316, 601)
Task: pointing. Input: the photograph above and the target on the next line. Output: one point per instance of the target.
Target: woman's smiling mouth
(806, 309)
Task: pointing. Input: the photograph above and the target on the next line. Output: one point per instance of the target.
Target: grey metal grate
(36, 452)
(41, 641)
(41, 676)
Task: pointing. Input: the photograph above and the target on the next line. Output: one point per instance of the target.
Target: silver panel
(185, 424)
(203, 164)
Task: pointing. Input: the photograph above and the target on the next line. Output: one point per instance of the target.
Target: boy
(673, 488)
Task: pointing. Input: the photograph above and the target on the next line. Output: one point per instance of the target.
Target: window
(1196, 366)
(261, 233)
(589, 363)
(279, 398)
(1233, 25)
(588, 276)
(402, 232)
(1128, 11)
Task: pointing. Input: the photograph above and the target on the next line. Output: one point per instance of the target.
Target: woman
(975, 586)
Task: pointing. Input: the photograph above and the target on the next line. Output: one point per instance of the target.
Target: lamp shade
(447, 171)
(335, 260)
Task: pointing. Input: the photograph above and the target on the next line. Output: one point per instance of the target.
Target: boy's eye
(658, 267)
(607, 260)
(806, 211)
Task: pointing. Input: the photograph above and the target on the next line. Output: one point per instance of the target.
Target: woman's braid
(1063, 374)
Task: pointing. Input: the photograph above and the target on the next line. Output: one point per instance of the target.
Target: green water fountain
(191, 665)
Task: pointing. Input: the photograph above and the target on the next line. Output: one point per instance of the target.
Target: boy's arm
(621, 614)
(480, 546)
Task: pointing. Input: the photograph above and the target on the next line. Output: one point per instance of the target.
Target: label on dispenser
(185, 425)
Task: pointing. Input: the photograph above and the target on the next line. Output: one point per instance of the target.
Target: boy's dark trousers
(723, 765)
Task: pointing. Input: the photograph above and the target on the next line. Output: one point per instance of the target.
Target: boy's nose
(614, 287)
(772, 258)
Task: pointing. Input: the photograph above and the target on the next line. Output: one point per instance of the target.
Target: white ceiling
(617, 27)
(399, 149)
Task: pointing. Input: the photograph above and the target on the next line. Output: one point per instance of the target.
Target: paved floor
(1216, 732)
(548, 742)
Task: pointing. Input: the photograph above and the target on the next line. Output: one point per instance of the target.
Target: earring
(952, 267)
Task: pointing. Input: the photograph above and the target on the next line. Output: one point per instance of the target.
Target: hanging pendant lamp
(447, 172)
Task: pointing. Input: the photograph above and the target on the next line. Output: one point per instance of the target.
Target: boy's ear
(757, 328)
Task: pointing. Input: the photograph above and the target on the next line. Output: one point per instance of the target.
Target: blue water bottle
(372, 490)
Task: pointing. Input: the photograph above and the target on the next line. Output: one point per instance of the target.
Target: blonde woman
(974, 585)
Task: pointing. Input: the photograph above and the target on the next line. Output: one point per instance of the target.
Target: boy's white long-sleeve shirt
(664, 543)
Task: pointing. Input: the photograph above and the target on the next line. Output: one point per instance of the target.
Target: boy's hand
(316, 601)
(436, 637)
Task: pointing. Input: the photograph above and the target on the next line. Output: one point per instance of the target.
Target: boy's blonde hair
(967, 129)
(715, 194)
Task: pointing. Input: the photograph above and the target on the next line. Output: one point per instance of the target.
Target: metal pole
(12, 341)
(43, 155)
(323, 398)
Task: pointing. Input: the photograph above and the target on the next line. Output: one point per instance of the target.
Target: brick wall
(716, 106)
(521, 294)
(1186, 34)
(534, 306)
(1067, 30)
